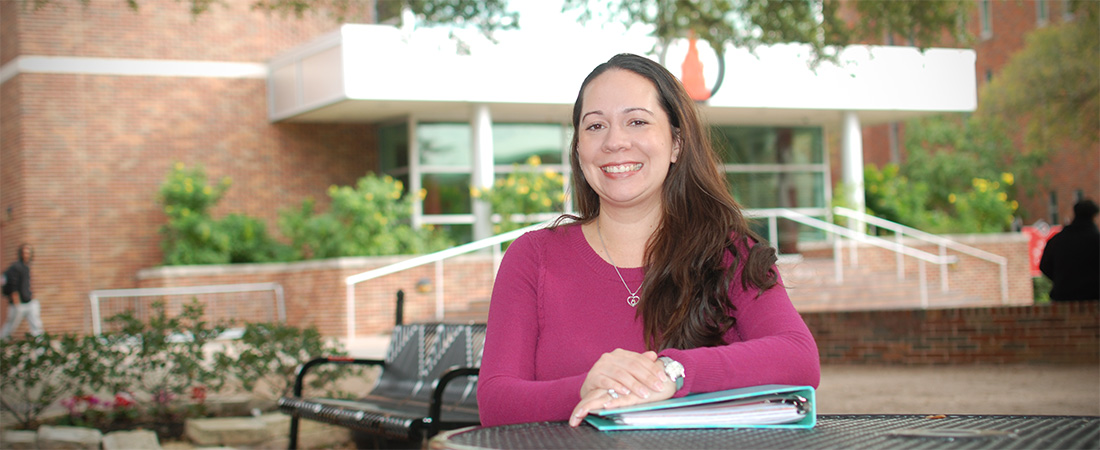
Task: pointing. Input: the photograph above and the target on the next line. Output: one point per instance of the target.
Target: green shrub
(525, 191)
(160, 359)
(37, 371)
(371, 219)
(192, 236)
(265, 359)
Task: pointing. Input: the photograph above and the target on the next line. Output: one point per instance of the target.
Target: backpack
(8, 288)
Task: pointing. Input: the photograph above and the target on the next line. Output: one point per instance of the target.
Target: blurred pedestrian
(21, 302)
(1071, 258)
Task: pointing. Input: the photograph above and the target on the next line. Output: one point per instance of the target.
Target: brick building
(1000, 29)
(99, 102)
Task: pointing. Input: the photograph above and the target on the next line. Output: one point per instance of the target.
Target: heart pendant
(632, 300)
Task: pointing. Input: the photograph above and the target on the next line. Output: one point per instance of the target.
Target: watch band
(674, 370)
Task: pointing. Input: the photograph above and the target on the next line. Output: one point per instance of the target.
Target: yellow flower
(1008, 178)
(1015, 205)
(332, 190)
(188, 188)
(534, 160)
(396, 195)
(522, 190)
(179, 166)
(951, 198)
(981, 184)
(474, 192)
(206, 190)
(534, 197)
(399, 185)
(546, 202)
(1002, 196)
(369, 196)
(423, 193)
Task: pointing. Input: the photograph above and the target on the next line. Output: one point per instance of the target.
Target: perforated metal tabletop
(837, 431)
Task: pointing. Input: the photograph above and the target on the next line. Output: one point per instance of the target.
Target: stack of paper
(757, 406)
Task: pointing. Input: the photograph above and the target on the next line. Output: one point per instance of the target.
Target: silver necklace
(632, 300)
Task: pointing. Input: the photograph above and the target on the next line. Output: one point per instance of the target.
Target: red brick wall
(316, 294)
(82, 156)
(1062, 333)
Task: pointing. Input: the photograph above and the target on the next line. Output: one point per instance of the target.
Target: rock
(69, 438)
(19, 440)
(233, 431)
(131, 440)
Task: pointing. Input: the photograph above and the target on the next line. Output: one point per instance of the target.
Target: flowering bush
(527, 191)
(192, 236)
(982, 207)
(371, 219)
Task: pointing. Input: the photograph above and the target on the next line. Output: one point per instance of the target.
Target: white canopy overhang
(377, 73)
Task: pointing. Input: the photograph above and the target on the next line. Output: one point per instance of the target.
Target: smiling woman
(657, 289)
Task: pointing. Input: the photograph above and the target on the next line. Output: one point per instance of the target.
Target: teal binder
(766, 406)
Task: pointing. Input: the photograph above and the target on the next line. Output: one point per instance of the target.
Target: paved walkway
(990, 389)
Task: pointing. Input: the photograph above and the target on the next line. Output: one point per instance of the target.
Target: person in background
(21, 302)
(1071, 258)
(658, 289)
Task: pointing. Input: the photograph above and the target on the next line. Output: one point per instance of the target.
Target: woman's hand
(634, 377)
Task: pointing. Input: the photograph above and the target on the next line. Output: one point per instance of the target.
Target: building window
(1042, 12)
(445, 164)
(988, 75)
(985, 11)
(1067, 10)
(777, 168)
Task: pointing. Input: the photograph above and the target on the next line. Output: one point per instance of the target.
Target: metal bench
(428, 384)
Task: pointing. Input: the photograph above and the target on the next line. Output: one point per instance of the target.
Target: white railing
(95, 296)
(901, 231)
(437, 258)
(897, 247)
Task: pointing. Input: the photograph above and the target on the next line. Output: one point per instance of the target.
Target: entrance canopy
(377, 73)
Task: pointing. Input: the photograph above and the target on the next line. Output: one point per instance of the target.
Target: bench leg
(293, 438)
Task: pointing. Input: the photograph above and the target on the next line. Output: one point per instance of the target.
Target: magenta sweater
(557, 306)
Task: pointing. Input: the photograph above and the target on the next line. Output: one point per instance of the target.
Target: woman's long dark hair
(685, 299)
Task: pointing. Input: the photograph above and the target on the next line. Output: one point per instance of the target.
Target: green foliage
(161, 357)
(957, 177)
(34, 375)
(267, 356)
(155, 372)
(525, 191)
(192, 236)
(1052, 85)
(821, 24)
(983, 207)
(373, 218)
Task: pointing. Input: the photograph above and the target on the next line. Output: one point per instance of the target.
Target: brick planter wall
(1063, 333)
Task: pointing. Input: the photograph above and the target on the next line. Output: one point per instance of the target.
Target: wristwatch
(674, 370)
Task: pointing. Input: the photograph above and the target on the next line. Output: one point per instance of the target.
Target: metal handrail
(437, 258)
(900, 231)
(856, 236)
(94, 296)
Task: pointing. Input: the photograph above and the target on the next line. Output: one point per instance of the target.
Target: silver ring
(614, 395)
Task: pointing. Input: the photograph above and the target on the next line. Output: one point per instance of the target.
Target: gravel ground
(982, 389)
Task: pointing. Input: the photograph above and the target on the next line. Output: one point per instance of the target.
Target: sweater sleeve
(507, 391)
(770, 344)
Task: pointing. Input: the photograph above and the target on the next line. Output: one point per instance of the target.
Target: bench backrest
(422, 352)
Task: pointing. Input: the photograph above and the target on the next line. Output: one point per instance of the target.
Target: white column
(415, 183)
(481, 176)
(852, 162)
